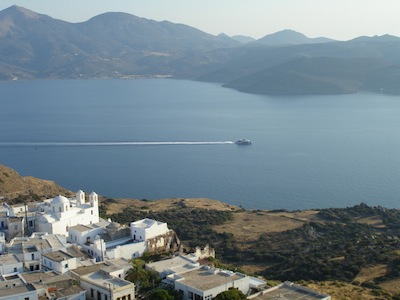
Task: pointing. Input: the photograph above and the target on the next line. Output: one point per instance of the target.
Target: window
(15, 270)
(66, 266)
(30, 223)
(59, 209)
(37, 267)
(26, 298)
(91, 211)
(33, 256)
(91, 293)
(16, 227)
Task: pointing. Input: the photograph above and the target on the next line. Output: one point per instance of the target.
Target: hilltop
(14, 187)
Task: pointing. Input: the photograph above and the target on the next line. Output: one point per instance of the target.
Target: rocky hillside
(15, 187)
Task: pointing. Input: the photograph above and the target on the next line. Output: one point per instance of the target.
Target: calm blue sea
(307, 152)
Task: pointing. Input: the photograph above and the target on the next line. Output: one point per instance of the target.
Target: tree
(231, 294)
(143, 279)
(160, 294)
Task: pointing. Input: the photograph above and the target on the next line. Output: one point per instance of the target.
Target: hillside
(14, 187)
(120, 45)
(359, 65)
(33, 45)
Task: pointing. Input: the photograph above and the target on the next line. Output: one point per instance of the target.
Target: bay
(307, 152)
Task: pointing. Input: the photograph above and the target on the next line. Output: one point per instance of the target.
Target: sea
(162, 138)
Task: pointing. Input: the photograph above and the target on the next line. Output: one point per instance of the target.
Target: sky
(336, 19)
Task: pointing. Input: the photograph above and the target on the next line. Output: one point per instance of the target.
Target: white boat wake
(79, 144)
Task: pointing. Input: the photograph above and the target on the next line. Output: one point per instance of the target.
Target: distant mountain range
(120, 45)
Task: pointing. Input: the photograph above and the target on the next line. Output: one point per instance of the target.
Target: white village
(61, 248)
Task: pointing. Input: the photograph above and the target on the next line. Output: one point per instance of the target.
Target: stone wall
(168, 242)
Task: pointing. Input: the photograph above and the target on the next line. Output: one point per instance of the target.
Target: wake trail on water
(79, 144)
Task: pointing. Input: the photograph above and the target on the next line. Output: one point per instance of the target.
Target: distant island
(120, 45)
(334, 250)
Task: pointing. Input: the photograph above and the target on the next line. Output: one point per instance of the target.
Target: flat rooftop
(205, 279)
(81, 271)
(58, 256)
(44, 277)
(288, 291)
(103, 279)
(174, 263)
(81, 228)
(65, 292)
(8, 259)
(17, 290)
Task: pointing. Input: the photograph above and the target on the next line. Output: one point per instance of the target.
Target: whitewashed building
(205, 283)
(30, 249)
(102, 285)
(146, 229)
(58, 214)
(10, 263)
(22, 292)
(59, 261)
(115, 241)
(13, 286)
(289, 290)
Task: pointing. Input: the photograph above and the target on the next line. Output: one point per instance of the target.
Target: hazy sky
(338, 19)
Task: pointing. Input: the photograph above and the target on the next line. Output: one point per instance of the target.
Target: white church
(56, 215)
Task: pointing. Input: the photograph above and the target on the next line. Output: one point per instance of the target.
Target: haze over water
(307, 152)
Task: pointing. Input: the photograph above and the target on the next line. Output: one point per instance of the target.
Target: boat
(243, 142)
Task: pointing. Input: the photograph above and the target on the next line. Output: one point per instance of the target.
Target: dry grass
(13, 185)
(371, 273)
(247, 226)
(343, 291)
(165, 204)
(392, 286)
(374, 221)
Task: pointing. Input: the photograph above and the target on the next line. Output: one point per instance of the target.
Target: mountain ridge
(121, 45)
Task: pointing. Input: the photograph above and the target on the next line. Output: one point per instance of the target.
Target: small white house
(175, 265)
(10, 263)
(291, 290)
(101, 285)
(85, 234)
(22, 292)
(59, 261)
(205, 283)
(146, 229)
